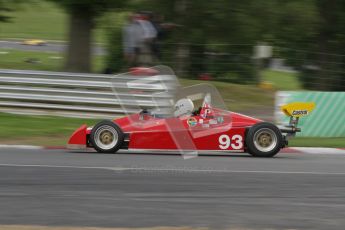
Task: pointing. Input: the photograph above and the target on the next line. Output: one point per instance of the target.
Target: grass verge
(38, 130)
(331, 142)
(239, 97)
(282, 80)
(34, 20)
(33, 60)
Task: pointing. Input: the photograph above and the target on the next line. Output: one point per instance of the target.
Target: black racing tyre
(106, 137)
(263, 140)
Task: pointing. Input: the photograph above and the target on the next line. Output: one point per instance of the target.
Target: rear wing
(298, 109)
(295, 110)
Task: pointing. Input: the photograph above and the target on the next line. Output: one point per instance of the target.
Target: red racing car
(197, 121)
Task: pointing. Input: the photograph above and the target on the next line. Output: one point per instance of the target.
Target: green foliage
(306, 33)
(210, 22)
(112, 23)
(115, 62)
(241, 24)
(314, 32)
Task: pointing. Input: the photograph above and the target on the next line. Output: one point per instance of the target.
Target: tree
(330, 53)
(82, 20)
(313, 33)
(309, 34)
(206, 24)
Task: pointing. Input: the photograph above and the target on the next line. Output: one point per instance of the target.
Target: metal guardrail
(81, 95)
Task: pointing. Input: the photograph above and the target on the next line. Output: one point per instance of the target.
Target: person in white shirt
(132, 36)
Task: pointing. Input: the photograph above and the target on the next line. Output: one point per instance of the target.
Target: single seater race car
(197, 121)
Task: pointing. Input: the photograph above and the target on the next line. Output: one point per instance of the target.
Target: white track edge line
(20, 146)
(174, 169)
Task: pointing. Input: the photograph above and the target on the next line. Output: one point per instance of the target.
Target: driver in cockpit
(183, 107)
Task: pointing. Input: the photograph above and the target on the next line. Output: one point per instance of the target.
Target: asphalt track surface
(58, 187)
(49, 47)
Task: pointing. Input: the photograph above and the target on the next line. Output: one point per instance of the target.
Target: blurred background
(252, 51)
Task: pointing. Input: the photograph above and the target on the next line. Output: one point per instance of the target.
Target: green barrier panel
(327, 119)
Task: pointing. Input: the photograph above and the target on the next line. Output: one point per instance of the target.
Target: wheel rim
(265, 140)
(106, 137)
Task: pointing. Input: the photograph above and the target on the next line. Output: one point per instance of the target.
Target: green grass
(36, 19)
(334, 142)
(282, 80)
(41, 19)
(239, 97)
(38, 130)
(48, 61)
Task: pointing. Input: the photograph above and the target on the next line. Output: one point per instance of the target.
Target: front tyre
(106, 137)
(263, 140)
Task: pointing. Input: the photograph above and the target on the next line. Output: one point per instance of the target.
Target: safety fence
(82, 95)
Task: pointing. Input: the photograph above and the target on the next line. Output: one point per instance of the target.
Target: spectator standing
(149, 35)
(132, 36)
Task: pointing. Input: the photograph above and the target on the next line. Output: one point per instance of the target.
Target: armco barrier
(328, 117)
(81, 95)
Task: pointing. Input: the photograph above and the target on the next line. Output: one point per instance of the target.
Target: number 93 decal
(225, 141)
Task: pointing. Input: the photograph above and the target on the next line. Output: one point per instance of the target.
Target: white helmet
(183, 106)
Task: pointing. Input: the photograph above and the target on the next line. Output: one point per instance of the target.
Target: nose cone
(78, 138)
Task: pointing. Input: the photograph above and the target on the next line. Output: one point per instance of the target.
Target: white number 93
(236, 141)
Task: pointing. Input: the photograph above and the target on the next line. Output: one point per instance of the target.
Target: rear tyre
(263, 140)
(106, 137)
